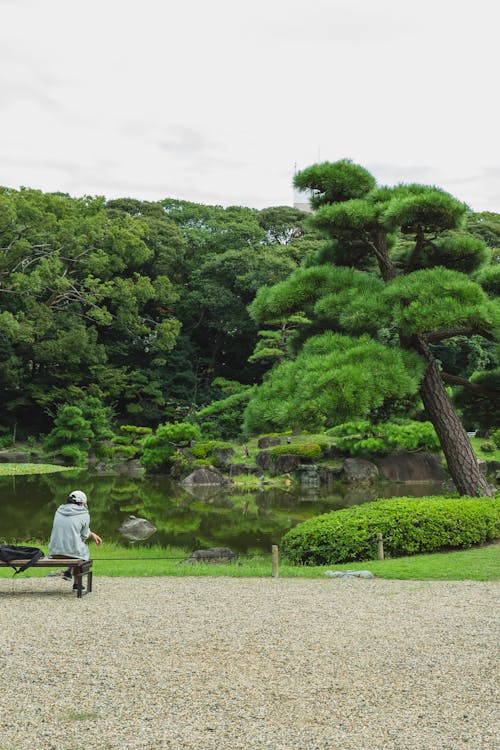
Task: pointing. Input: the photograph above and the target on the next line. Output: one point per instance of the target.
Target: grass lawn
(11, 470)
(478, 564)
(477, 443)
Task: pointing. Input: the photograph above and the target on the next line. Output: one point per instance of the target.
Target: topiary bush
(208, 448)
(409, 525)
(305, 451)
(70, 436)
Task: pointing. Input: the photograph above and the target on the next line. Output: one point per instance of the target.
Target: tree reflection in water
(199, 518)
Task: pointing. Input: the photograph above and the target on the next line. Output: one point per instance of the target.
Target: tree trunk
(461, 459)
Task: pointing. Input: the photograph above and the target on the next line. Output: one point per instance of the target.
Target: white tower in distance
(301, 198)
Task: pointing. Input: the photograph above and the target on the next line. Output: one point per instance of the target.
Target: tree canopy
(401, 274)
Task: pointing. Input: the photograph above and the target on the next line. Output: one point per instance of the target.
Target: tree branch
(457, 380)
(459, 331)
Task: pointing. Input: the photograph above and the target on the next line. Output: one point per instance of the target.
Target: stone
(493, 469)
(349, 574)
(177, 469)
(359, 471)
(132, 466)
(284, 464)
(205, 475)
(408, 466)
(235, 469)
(308, 475)
(213, 554)
(267, 442)
(137, 529)
(328, 474)
(14, 457)
(223, 456)
(264, 460)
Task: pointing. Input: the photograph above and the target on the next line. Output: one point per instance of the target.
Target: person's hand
(95, 537)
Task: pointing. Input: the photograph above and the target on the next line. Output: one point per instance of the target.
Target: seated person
(71, 529)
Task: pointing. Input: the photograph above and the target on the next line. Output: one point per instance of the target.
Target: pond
(245, 522)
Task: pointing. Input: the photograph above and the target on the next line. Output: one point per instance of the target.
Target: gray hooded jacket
(70, 531)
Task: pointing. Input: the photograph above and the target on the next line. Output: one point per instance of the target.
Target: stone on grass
(213, 554)
(349, 574)
(266, 442)
(223, 456)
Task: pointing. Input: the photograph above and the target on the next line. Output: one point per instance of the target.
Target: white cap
(77, 496)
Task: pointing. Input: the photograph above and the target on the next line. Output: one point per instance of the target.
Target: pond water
(245, 522)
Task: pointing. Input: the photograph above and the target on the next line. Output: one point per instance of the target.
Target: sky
(216, 101)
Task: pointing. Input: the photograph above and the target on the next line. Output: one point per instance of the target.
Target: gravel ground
(226, 663)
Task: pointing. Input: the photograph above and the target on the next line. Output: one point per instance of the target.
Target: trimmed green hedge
(208, 448)
(409, 525)
(305, 451)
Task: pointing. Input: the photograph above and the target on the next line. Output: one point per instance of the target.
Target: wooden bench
(79, 568)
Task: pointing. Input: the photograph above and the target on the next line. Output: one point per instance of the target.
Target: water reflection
(198, 518)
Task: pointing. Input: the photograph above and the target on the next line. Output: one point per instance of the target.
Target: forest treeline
(140, 305)
(154, 312)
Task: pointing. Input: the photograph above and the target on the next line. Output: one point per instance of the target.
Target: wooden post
(380, 544)
(275, 572)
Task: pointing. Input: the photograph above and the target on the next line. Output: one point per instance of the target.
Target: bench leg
(77, 580)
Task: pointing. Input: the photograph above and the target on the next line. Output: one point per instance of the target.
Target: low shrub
(495, 438)
(121, 452)
(488, 447)
(409, 525)
(168, 438)
(305, 451)
(73, 455)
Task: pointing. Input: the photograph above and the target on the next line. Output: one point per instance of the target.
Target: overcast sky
(215, 100)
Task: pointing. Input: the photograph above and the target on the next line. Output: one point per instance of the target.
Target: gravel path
(205, 663)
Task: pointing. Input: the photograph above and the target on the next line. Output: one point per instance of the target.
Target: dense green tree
(70, 436)
(85, 302)
(229, 253)
(168, 438)
(403, 291)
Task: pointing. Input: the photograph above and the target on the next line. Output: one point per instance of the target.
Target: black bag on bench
(10, 552)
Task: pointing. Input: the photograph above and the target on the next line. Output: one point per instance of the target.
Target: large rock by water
(308, 475)
(263, 460)
(137, 529)
(284, 464)
(14, 457)
(493, 469)
(406, 466)
(359, 471)
(205, 475)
